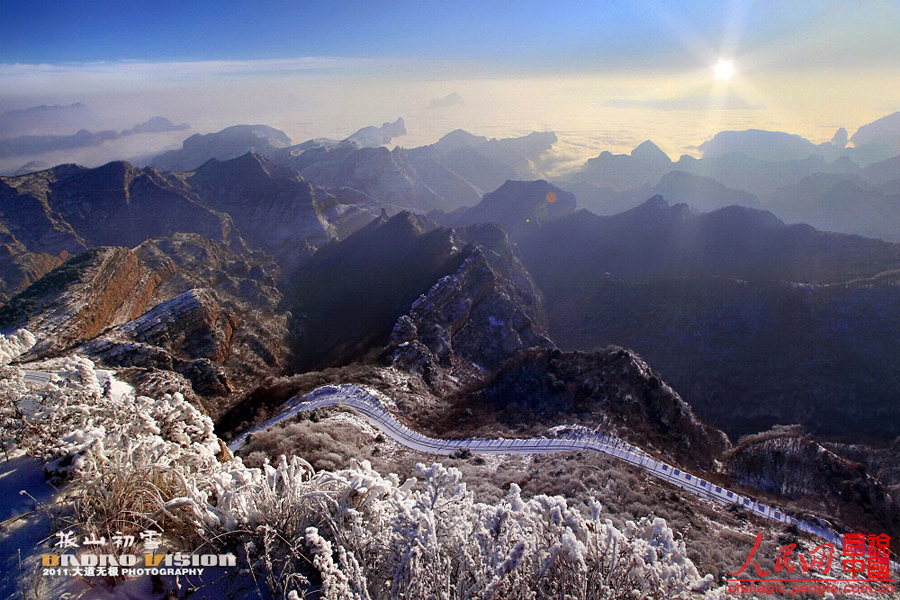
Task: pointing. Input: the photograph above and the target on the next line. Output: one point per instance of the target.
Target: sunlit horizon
(604, 77)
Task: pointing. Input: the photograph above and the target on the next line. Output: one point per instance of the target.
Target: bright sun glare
(724, 69)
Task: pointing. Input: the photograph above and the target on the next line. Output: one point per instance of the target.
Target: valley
(704, 333)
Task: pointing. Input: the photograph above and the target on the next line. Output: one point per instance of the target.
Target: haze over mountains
(849, 184)
(677, 303)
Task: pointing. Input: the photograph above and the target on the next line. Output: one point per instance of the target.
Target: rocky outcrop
(790, 464)
(190, 334)
(347, 297)
(244, 339)
(235, 272)
(182, 304)
(614, 388)
(76, 301)
(271, 205)
(372, 137)
(473, 320)
(193, 324)
(347, 210)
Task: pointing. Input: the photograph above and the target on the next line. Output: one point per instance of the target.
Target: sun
(724, 69)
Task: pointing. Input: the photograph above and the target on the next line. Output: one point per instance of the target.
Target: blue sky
(64, 31)
(518, 35)
(605, 73)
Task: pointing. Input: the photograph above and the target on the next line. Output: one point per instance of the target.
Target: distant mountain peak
(156, 125)
(458, 138)
(656, 202)
(228, 143)
(518, 206)
(647, 150)
(373, 137)
(248, 167)
(409, 223)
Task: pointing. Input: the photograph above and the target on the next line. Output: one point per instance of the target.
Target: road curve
(369, 406)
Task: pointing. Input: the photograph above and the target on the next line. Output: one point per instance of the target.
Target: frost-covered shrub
(326, 445)
(14, 345)
(428, 538)
(74, 424)
(134, 462)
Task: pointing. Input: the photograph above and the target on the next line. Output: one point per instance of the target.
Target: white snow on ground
(23, 493)
(14, 345)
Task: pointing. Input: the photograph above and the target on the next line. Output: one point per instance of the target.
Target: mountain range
(832, 186)
(477, 296)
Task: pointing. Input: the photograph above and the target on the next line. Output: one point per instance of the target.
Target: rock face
(182, 305)
(612, 387)
(188, 334)
(436, 298)
(235, 272)
(271, 205)
(95, 290)
(349, 294)
(790, 464)
(476, 318)
(192, 323)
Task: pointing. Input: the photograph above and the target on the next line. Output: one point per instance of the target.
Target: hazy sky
(605, 75)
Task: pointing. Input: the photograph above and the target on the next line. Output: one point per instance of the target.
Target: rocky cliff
(271, 205)
(472, 321)
(76, 301)
(612, 388)
(792, 465)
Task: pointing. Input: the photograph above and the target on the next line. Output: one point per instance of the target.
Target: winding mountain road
(366, 403)
(369, 406)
